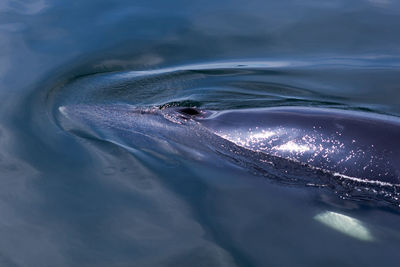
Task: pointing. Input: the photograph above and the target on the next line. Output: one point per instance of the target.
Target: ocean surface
(91, 196)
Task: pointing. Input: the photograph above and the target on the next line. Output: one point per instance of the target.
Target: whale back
(350, 143)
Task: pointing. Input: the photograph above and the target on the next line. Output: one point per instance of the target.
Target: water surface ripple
(111, 107)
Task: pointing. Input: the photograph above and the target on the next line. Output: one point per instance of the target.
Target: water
(89, 197)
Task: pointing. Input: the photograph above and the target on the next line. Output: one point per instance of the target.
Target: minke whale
(357, 154)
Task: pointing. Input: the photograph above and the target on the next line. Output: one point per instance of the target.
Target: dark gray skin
(354, 144)
(356, 154)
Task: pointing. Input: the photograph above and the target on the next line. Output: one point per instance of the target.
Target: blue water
(92, 198)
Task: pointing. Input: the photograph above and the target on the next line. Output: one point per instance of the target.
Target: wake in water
(256, 115)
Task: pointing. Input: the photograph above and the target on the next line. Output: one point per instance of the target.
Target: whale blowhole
(189, 111)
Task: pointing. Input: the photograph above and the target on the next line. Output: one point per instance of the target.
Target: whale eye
(189, 111)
